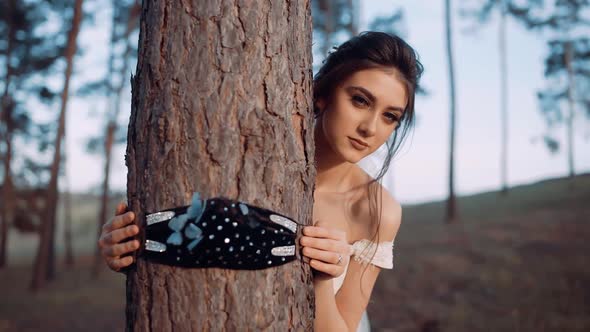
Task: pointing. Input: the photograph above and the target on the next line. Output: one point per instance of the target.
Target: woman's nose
(368, 127)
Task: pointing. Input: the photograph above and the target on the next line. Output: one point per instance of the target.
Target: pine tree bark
(221, 104)
(44, 267)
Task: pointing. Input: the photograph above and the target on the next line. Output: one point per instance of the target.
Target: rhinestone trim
(157, 217)
(155, 246)
(288, 223)
(283, 251)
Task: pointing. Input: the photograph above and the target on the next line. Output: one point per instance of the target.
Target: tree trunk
(6, 214)
(221, 104)
(7, 205)
(571, 90)
(67, 211)
(503, 98)
(44, 268)
(69, 251)
(451, 205)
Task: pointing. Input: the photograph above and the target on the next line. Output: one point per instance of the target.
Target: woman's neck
(334, 175)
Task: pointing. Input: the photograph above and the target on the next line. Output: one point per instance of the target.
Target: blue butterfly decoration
(192, 231)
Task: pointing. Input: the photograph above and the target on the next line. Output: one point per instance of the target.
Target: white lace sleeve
(363, 250)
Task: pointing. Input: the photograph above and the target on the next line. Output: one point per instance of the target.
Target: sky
(419, 171)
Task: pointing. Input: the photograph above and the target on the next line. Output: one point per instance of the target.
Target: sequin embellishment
(195, 236)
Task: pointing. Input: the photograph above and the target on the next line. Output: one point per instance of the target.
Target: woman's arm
(343, 311)
(353, 297)
(327, 314)
(324, 246)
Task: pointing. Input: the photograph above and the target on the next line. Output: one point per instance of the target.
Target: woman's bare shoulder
(383, 200)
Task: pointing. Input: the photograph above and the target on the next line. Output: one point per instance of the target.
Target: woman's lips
(357, 145)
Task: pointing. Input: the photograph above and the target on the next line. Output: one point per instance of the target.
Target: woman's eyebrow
(363, 90)
(372, 97)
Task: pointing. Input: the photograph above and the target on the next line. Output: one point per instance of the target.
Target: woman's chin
(353, 156)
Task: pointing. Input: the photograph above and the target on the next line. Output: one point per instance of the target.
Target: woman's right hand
(113, 232)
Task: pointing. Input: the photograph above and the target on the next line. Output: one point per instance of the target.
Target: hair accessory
(219, 232)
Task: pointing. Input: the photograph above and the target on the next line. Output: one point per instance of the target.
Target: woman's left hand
(327, 248)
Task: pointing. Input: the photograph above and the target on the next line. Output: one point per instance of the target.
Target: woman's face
(363, 112)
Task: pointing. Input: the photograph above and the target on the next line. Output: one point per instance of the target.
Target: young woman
(363, 98)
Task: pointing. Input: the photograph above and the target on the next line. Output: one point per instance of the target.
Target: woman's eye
(392, 117)
(358, 100)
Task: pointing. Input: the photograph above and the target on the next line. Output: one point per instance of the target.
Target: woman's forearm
(327, 315)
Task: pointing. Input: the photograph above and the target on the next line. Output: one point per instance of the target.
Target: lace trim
(362, 251)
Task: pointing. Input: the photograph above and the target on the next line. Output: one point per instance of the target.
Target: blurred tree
(451, 214)
(213, 82)
(566, 66)
(69, 251)
(335, 21)
(481, 11)
(26, 56)
(393, 23)
(125, 22)
(44, 266)
(331, 19)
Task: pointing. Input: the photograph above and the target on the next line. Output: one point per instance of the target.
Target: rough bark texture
(221, 104)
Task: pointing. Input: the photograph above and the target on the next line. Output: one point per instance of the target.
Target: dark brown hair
(370, 50)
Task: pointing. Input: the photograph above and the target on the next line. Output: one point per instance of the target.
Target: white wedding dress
(362, 251)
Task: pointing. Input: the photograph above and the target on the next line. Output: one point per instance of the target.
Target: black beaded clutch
(219, 232)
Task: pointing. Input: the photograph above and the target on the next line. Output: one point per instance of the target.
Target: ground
(510, 263)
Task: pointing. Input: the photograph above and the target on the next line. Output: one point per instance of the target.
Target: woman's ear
(320, 104)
